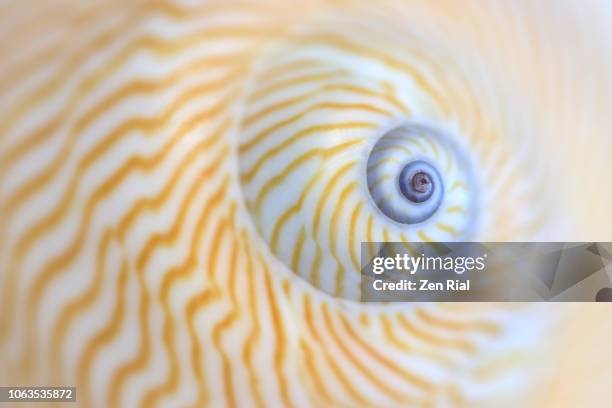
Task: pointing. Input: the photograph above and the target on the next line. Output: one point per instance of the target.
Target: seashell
(184, 188)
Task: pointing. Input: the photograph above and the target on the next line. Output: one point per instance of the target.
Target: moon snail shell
(185, 187)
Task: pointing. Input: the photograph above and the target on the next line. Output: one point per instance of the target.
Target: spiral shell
(184, 187)
(331, 119)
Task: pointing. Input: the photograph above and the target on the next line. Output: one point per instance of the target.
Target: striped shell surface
(184, 188)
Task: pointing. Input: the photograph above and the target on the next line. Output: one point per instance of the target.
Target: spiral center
(408, 169)
(421, 182)
(417, 181)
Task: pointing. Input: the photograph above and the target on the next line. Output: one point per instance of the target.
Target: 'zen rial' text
(422, 285)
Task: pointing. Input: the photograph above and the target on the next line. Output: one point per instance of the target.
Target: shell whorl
(332, 118)
(184, 187)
